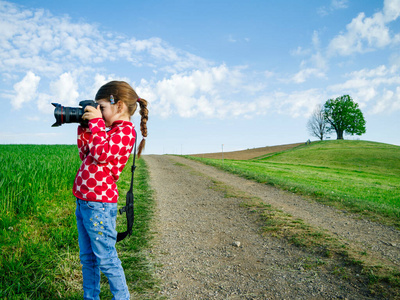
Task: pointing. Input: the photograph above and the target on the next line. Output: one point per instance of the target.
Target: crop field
(38, 235)
(363, 177)
(31, 174)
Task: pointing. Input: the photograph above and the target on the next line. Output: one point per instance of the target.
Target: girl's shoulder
(122, 134)
(121, 123)
(122, 127)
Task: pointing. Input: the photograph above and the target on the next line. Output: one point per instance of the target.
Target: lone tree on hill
(343, 116)
(316, 124)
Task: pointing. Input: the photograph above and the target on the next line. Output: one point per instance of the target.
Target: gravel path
(197, 228)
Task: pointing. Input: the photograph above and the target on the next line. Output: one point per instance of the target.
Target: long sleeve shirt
(104, 155)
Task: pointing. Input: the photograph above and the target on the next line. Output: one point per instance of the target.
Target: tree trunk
(339, 134)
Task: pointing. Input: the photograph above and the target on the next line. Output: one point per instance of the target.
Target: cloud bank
(45, 57)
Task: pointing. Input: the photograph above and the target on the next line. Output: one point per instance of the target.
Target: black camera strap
(129, 207)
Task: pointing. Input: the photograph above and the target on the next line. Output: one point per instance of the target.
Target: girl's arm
(105, 148)
(83, 141)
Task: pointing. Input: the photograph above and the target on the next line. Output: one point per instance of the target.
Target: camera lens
(67, 114)
(73, 114)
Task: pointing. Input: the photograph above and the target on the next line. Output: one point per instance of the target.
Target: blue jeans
(96, 223)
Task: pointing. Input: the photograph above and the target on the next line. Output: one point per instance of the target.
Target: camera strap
(130, 199)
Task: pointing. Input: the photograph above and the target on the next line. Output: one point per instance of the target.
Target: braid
(144, 113)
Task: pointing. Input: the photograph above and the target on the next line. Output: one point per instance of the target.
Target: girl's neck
(124, 118)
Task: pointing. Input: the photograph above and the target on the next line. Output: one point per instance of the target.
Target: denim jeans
(96, 223)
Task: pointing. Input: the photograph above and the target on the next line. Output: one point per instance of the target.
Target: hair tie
(112, 99)
(138, 99)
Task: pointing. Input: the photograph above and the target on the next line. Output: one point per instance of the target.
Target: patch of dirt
(249, 153)
(197, 230)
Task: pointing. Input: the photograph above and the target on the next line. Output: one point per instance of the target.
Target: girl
(104, 155)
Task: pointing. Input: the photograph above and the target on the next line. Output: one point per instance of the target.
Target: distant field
(361, 176)
(249, 153)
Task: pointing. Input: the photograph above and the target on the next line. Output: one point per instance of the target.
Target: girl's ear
(120, 106)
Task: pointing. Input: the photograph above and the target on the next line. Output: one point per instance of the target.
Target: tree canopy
(343, 116)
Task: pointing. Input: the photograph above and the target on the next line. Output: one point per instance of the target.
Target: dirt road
(198, 229)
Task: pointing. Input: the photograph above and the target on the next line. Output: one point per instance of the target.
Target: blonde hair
(122, 91)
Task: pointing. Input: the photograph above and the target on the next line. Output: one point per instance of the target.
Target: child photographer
(104, 155)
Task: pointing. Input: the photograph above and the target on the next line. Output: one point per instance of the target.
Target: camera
(65, 114)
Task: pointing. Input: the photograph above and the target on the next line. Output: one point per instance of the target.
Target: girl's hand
(92, 113)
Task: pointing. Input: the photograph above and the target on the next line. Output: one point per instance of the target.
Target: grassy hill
(344, 154)
(359, 176)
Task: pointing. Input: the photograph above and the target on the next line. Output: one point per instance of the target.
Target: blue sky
(242, 74)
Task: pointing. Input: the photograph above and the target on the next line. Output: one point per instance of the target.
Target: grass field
(38, 235)
(360, 176)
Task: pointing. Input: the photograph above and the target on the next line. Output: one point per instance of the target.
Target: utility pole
(222, 152)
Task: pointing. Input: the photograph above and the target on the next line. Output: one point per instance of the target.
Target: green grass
(360, 176)
(38, 235)
(31, 174)
(323, 251)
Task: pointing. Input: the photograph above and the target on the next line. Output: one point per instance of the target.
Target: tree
(343, 116)
(317, 124)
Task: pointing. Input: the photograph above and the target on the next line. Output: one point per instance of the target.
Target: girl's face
(109, 111)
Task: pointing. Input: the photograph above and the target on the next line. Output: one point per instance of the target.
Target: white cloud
(61, 51)
(298, 103)
(380, 86)
(313, 67)
(25, 90)
(304, 74)
(190, 94)
(216, 92)
(388, 102)
(48, 45)
(367, 33)
(223, 92)
(334, 5)
(391, 10)
(65, 89)
(339, 4)
(44, 103)
(100, 80)
(300, 51)
(55, 49)
(315, 39)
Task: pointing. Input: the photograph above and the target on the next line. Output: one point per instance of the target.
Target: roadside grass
(134, 250)
(38, 235)
(323, 251)
(361, 177)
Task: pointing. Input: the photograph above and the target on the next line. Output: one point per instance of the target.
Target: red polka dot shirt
(104, 154)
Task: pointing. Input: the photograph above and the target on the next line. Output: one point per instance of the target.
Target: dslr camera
(65, 114)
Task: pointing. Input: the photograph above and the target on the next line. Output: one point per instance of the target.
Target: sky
(219, 75)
